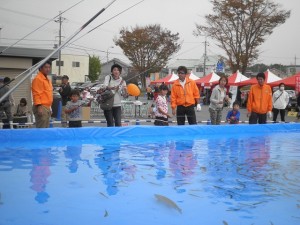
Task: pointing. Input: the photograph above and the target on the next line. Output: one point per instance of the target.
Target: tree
(148, 48)
(94, 68)
(241, 26)
(259, 67)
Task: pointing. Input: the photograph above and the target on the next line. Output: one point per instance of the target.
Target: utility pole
(108, 53)
(60, 21)
(295, 64)
(205, 56)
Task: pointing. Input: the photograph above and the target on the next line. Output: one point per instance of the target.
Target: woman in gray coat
(217, 99)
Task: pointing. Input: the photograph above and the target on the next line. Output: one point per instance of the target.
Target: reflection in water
(237, 170)
(41, 162)
(114, 169)
(108, 161)
(159, 156)
(243, 179)
(182, 162)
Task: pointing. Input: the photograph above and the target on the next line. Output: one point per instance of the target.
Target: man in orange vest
(42, 93)
(184, 94)
(259, 103)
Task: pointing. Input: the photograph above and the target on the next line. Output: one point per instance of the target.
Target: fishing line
(36, 66)
(107, 21)
(39, 27)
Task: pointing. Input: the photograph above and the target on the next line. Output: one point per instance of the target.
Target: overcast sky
(18, 18)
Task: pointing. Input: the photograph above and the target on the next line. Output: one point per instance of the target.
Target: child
(233, 116)
(73, 109)
(22, 108)
(161, 113)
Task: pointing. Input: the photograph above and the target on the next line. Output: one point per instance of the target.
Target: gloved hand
(269, 114)
(198, 107)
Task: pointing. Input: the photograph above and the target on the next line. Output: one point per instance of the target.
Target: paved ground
(203, 115)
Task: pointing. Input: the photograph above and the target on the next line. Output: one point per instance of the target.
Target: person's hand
(169, 115)
(248, 114)
(269, 114)
(40, 110)
(173, 112)
(198, 107)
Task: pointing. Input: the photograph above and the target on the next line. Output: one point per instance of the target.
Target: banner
(233, 91)
(297, 86)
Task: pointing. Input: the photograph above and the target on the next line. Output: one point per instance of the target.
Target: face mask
(281, 88)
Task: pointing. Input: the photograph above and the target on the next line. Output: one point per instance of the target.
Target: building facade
(74, 66)
(106, 67)
(16, 60)
(197, 65)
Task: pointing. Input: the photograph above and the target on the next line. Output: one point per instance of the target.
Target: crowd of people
(184, 99)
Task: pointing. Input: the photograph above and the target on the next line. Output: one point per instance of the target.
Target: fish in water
(224, 222)
(103, 195)
(168, 202)
(105, 213)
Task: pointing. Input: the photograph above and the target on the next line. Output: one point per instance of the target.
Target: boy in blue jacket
(233, 116)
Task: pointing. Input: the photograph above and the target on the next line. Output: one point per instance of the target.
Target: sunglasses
(181, 72)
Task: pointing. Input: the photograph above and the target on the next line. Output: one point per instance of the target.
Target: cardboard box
(86, 113)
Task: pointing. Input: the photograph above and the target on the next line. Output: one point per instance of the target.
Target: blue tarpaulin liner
(138, 132)
(229, 174)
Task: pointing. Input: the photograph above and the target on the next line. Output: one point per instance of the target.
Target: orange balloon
(133, 90)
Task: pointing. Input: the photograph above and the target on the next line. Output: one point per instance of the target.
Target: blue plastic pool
(151, 175)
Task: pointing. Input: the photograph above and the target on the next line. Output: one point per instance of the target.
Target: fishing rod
(36, 66)
(39, 27)
(107, 21)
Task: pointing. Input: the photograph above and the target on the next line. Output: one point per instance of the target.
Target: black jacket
(65, 92)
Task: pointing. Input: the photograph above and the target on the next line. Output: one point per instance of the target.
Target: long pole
(107, 21)
(39, 27)
(36, 66)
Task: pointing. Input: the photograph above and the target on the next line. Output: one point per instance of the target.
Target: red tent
(270, 77)
(236, 78)
(165, 79)
(289, 81)
(208, 80)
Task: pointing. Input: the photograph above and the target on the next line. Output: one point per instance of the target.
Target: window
(75, 64)
(199, 69)
(60, 62)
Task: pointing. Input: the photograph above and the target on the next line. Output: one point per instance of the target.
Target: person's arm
(106, 81)
(287, 98)
(173, 100)
(228, 115)
(37, 91)
(270, 103)
(213, 97)
(237, 116)
(274, 97)
(249, 101)
(159, 104)
(70, 109)
(196, 93)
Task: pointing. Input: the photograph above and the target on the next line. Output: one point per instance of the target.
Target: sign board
(297, 86)
(220, 66)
